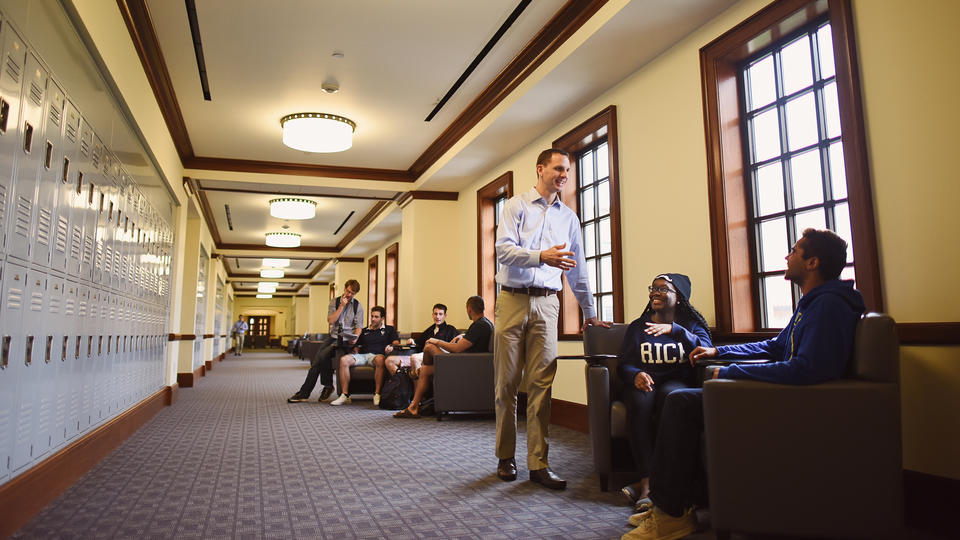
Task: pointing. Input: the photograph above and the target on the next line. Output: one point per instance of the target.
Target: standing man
(345, 316)
(239, 331)
(537, 240)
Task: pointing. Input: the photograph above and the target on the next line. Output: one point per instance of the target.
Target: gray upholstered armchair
(813, 461)
(463, 382)
(607, 414)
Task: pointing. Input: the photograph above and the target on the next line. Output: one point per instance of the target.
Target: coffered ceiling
(393, 61)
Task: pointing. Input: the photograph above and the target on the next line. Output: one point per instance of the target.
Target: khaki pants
(238, 348)
(525, 343)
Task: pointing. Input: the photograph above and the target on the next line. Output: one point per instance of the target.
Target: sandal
(406, 414)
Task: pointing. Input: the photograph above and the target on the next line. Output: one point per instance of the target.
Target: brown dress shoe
(548, 478)
(507, 469)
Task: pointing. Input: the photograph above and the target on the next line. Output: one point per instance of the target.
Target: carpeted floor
(231, 459)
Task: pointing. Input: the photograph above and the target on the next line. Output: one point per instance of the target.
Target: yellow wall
(278, 307)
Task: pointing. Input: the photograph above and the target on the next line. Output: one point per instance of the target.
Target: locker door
(68, 239)
(115, 359)
(23, 211)
(9, 332)
(36, 386)
(49, 234)
(59, 377)
(97, 359)
(85, 358)
(74, 384)
(22, 315)
(99, 187)
(85, 224)
(14, 56)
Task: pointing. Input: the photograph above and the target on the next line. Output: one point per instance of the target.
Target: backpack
(397, 391)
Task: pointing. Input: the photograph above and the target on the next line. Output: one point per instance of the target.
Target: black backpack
(397, 391)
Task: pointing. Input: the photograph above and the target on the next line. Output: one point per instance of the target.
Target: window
(785, 151)
(592, 190)
(371, 283)
(391, 276)
(490, 201)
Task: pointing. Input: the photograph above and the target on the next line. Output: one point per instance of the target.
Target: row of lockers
(71, 356)
(84, 267)
(66, 201)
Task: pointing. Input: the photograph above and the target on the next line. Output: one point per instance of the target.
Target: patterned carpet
(231, 459)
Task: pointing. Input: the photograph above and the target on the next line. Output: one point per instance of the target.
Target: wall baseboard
(189, 378)
(209, 365)
(26, 495)
(569, 415)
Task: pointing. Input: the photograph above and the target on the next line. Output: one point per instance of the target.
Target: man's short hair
(353, 285)
(829, 248)
(379, 309)
(440, 306)
(475, 303)
(545, 156)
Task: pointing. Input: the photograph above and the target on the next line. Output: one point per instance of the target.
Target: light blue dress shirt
(530, 225)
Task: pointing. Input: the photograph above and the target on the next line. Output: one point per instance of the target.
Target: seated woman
(654, 362)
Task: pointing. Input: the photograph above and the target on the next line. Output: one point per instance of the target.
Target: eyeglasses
(661, 290)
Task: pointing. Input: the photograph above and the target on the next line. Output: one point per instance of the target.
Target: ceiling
(398, 60)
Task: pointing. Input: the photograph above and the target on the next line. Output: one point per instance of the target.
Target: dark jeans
(643, 413)
(677, 478)
(321, 365)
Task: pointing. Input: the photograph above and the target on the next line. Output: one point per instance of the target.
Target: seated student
(815, 347)
(439, 330)
(375, 341)
(653, 363)
(477, 339)
(345, 317)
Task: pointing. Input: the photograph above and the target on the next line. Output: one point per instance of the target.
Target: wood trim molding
(372, 282)
(208, 336)
(173, 337)
(422, 194)
(254, 191)
(929, 333)
(26, 495)
(486, 235)
(391, 282)
(208, 365)
(555, 33)
(186, 379)
(140, 26)
(207, 212)
(350, 259)
(297, 169)
(569, 415)
(188, 337)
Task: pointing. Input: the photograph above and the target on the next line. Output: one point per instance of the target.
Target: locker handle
(76, 352)
(48, 156)
(63, 352)
(89, 346)
(28, 354)
(49, 348)
(4, 115)
(27, 137)
(65, 173)
(5, 352)
(100, 346)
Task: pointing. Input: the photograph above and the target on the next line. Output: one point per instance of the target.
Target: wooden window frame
(391, 278)
(486, 238)
(600, 125)
(727, 189)
(372, 283)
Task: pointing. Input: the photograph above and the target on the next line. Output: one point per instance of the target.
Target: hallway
(232, 459)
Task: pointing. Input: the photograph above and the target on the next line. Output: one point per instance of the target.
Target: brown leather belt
(530, 291)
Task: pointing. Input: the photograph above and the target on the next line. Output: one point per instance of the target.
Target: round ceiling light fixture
(276, 263)
(293, 208)
(283, 239)
(267, 286)
(317, 132)
(274, 273)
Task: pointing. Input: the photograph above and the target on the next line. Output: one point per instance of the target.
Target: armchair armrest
(592, 359)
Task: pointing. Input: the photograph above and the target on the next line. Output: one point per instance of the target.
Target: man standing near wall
(345, 316)
(537, 240)
(239, 332)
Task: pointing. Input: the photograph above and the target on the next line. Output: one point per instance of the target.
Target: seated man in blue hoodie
(816, 346)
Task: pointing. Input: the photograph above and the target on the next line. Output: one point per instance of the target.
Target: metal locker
(68, 239)
(97, 359)
(85, 222)
(44, 363)
(9, 329)
(14, 53)
(30, 287)
(29, 157)
(85, 357)
(59, 314)
(49, 236)
(98, 195)
(73, 369)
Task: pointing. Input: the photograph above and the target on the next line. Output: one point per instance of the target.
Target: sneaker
(376, 400)
(658, 525)
(637, 517)
(325, 393)
(298, 398)
(342, 400)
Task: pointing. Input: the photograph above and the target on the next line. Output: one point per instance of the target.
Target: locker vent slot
(96, 157)
(108, 260)
(55, 114)
(36, 94)
(77, 243)
(5, 353)
(87, 249)
(84, 147)
(43, 227)
(71, 131)
(22, 223)
(3, 202)
(13, 69)
(36, 300)
(61, 238)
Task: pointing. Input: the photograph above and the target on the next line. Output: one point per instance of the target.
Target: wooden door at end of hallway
(259, 330)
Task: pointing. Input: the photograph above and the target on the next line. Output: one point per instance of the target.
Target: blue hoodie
(815, 347)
